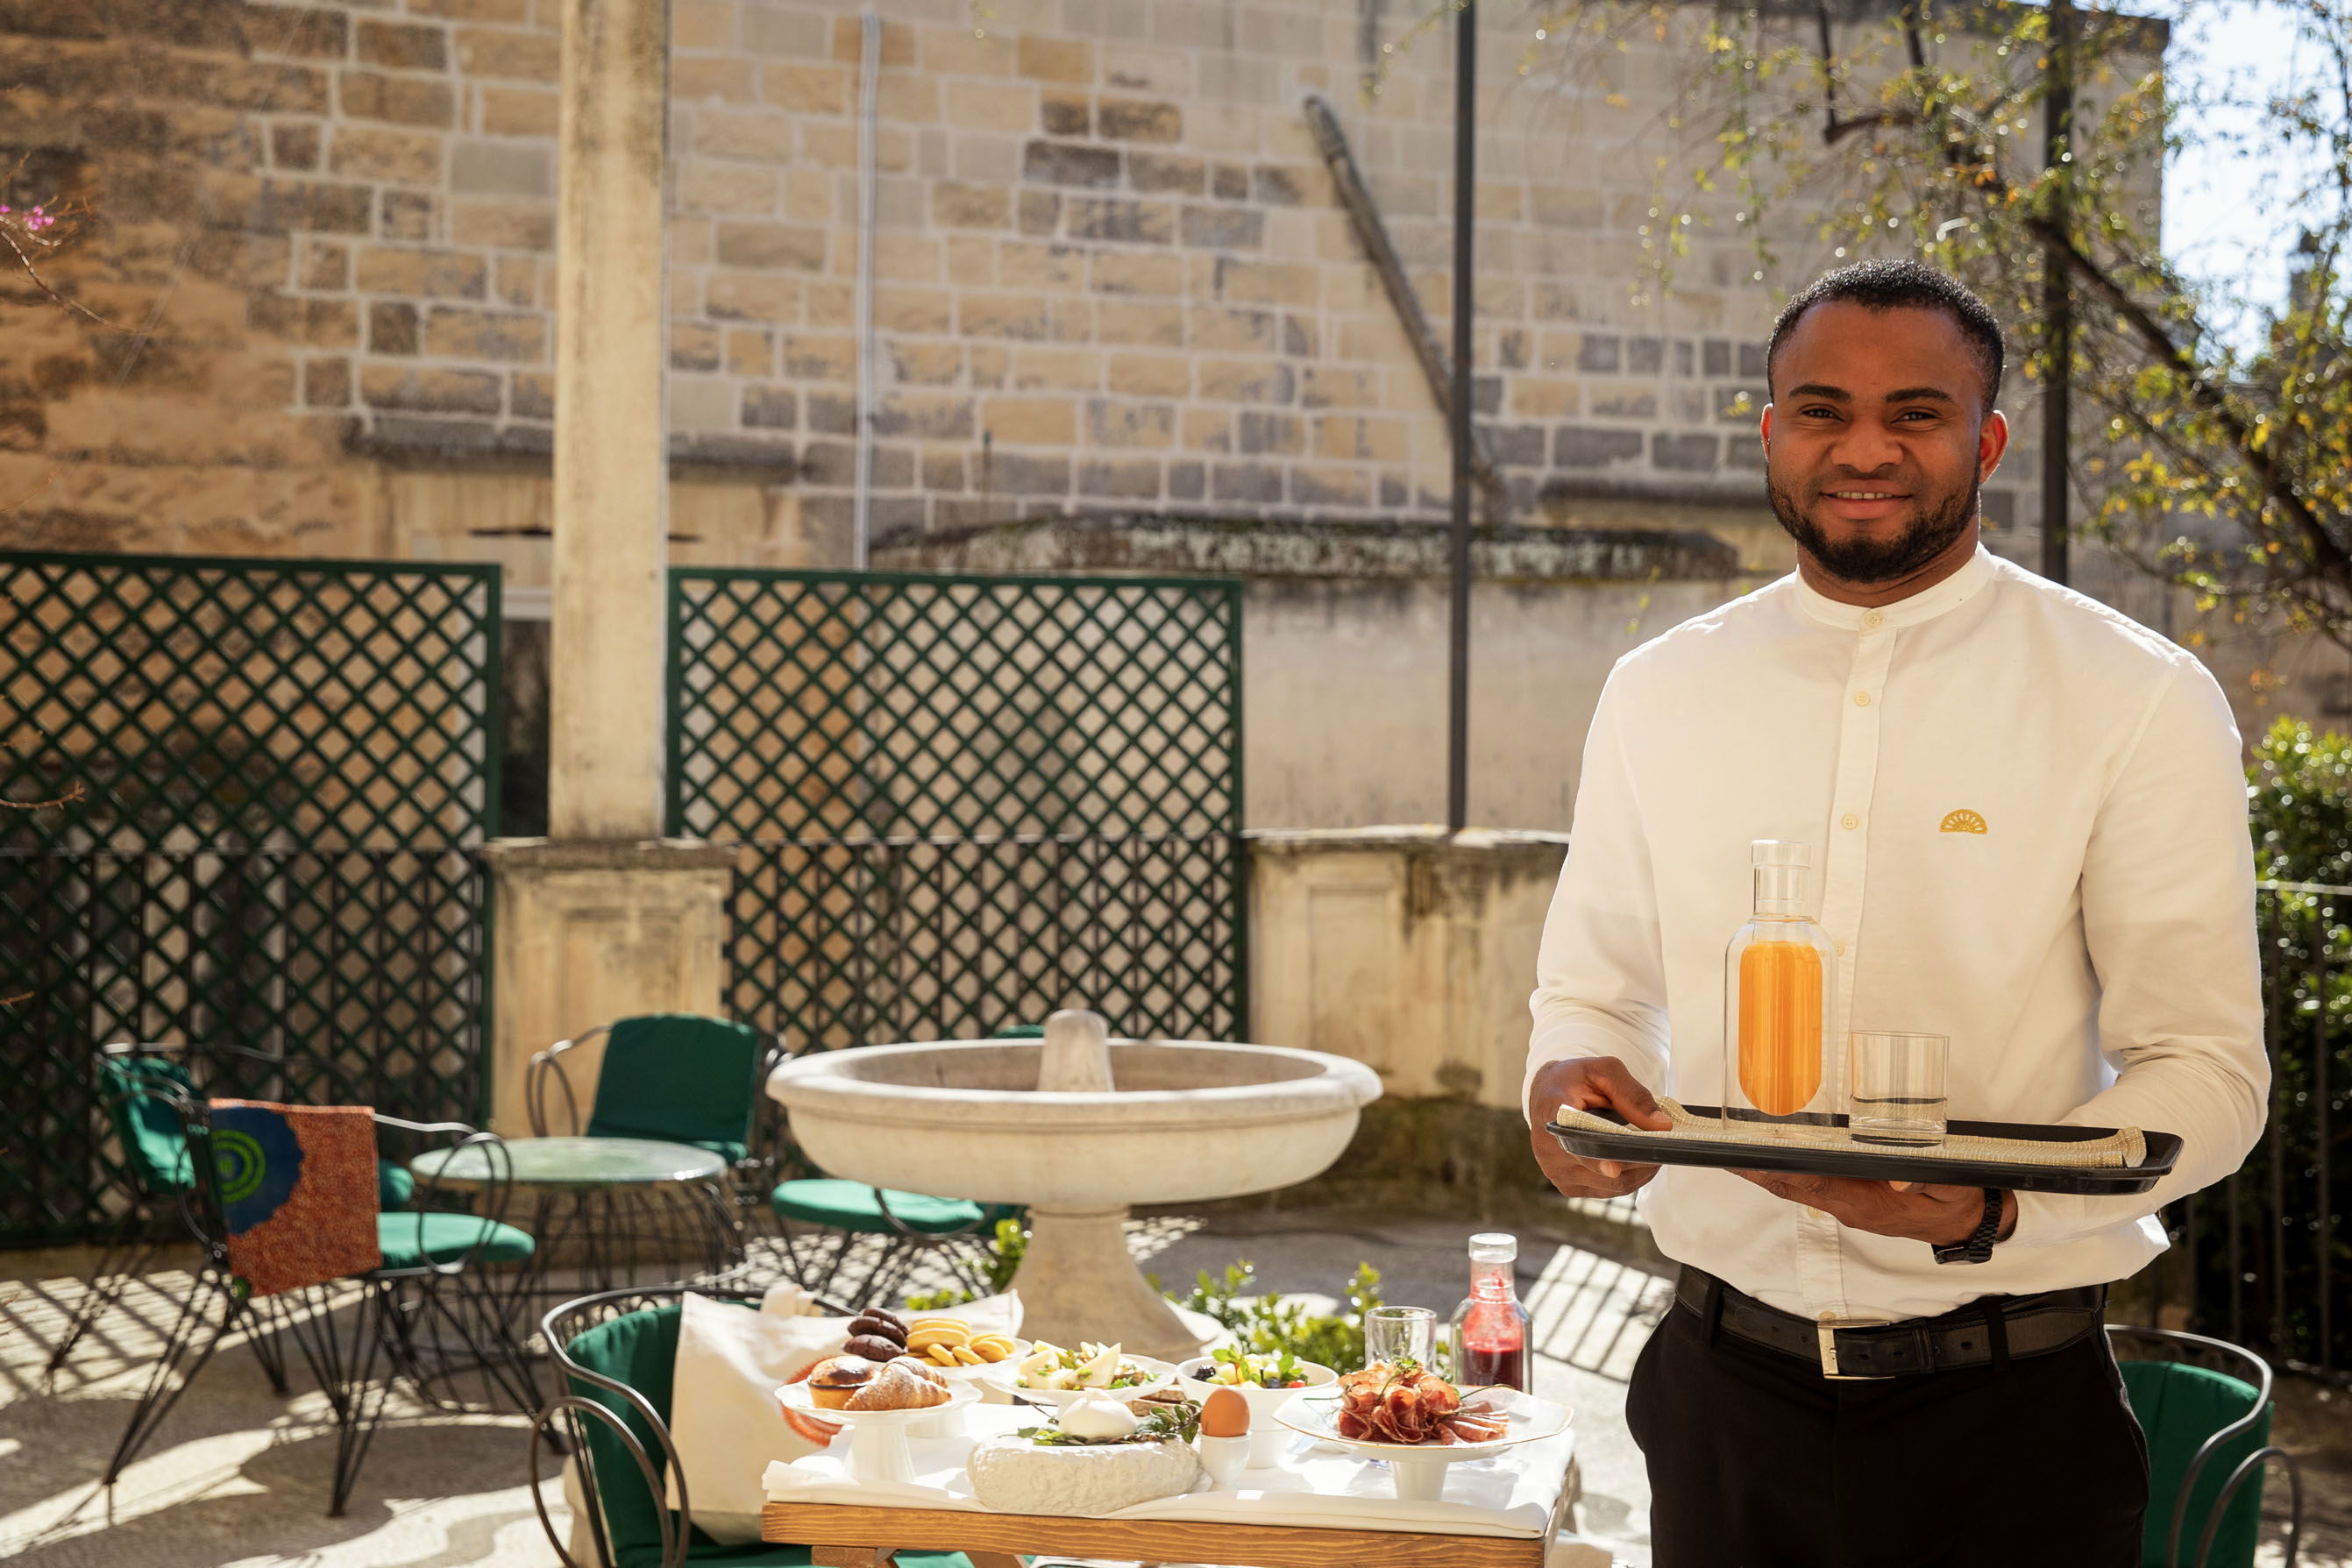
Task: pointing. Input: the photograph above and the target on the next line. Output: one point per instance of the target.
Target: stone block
(750, 351)
(403, 45)
(693, 346)
(1065, 164)
(971, 206)
(405, 215)
(303, 32)
(1128, 479)
(1121, 220)
(1044, 58)
(770, 29)
(1139, 120)
(831, 414)
(1223, 228)
(701, 402)
(1714, 359)
(1112, 422)
(405, 100)
(428, 274)
(1166, 172)
(898, 43)
(326, 264)
(751, 297)
(1518, 446)
(327, 384)
(1685, 358)
(1024, 263)
(1588, 446)
(1057, 370)
(1244, 381)
(1137, 272)
(712, 187)
(480, 167)
(1015, 316)
(1620, 399)
(820, 357)
(1318, 485)
(701, 80)
(930, 416)
(943, 471)
(458, 333)
(926, 364)
(517, 112)
(1645, 355)
(1246, 482)
(1066, 114)
(504, 225)
(772, 247)
(1026, 474)
(1545, 397)
(294, 146)
(392, 329)
(811, 89)
(1149, 375)
(370, 153)
(409, 391)
(1031, 421)
(531, 394)
(1268, 283)
(473, 10)
(1224, 330)
(1753, 363)
(1259, 433)
(1041, 212)
(1140, 324)
(743, 133)
(990, 106)
(1338, 386)
(1682, 454)
(1601, 354)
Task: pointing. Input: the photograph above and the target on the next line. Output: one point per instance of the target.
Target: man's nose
(1866, 447)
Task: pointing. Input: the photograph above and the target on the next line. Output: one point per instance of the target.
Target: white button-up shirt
(2027, 817)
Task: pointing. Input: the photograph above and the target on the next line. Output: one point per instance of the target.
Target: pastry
(898, 1388)
(927, 1371)
(874, 1348)
(879, 1325)
(833, 1381)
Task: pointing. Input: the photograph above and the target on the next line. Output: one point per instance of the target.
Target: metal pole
(1465, 202)
(2326, 1203)
(2057, 301)
(869, 73)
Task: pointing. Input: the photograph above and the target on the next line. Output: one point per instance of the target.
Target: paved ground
(237, 1478)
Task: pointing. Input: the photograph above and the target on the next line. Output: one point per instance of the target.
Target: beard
(1935, 523)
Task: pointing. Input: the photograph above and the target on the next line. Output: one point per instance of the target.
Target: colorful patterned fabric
(297, 1189)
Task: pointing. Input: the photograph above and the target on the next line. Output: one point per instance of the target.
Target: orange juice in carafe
(1778, 978)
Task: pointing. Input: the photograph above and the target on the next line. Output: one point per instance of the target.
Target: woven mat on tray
(2120, 1149)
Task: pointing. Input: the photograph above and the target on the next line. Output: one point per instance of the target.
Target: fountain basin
(1184, 1122)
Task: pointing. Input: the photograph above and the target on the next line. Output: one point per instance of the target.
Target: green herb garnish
(1176, 1421)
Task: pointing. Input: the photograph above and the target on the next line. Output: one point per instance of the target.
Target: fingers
(1591, 1081)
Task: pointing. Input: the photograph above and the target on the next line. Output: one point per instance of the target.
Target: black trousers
(1758, 1461)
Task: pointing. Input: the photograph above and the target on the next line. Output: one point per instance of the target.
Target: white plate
(878, 1438)
(1001, 1377)
(1266, 1439)
(1419, 1469)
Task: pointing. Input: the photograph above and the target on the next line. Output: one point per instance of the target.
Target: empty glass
(1394, 1334)
(1897, 1092)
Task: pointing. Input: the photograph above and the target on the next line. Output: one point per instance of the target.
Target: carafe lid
(1494, 1247)
(1779, 852)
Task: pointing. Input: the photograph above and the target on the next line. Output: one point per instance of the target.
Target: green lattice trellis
(278, 772)
(966, 800)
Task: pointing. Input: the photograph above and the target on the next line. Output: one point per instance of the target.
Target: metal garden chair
(617, 1365)
(419, 1316)
(2207, 1436)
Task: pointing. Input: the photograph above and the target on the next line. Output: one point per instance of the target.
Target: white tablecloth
(1512, 1494)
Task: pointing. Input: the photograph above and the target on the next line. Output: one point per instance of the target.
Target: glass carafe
(1490, 1328)
(1780, 981)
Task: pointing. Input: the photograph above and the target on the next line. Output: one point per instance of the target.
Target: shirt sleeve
(1601, 987)
(2168, 919)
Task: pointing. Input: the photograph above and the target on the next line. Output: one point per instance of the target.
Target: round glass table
(606, 1214)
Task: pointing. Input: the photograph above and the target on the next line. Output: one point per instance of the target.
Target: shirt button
(1841, 948)
(1862, 699)
(1870, 621)
(1849, 822)
(1813, 1213)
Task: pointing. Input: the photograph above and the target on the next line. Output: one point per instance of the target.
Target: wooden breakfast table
(849, 1536)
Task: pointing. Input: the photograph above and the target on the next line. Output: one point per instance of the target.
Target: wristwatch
(1978, 1248)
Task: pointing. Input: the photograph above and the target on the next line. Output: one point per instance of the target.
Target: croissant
(896, 1387)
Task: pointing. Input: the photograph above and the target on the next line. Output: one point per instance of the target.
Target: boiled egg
(1226, 1414)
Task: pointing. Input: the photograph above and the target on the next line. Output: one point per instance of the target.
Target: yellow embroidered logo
(1962, 821)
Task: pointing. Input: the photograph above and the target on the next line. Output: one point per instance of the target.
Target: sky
(2215, 227)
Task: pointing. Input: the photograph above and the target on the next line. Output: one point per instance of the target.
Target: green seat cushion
(155, 1143)
(2178, 1407)
(850, 1206)
(769, 1556)
(678, 1078)
(394, 1186)
(410, 1240)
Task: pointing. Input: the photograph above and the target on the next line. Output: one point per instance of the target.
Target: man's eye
(1818, 410)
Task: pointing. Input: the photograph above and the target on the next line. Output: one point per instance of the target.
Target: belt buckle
(1826, 1329)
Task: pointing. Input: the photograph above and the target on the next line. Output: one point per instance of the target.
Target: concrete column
(612, 465)
(591, 932)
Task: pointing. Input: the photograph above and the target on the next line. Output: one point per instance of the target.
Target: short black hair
(1898, 286)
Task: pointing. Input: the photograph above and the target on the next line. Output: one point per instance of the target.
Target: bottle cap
(1779, 851)
(1493, 1247)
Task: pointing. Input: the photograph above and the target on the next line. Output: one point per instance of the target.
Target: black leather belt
(1989, 1330)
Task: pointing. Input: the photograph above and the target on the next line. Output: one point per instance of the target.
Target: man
(2028, 826)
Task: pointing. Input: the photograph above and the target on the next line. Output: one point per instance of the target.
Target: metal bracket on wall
(1365, 213)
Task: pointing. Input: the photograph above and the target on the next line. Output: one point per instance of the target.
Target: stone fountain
(1077, 1127)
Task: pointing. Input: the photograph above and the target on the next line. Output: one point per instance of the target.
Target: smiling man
(2030, 826)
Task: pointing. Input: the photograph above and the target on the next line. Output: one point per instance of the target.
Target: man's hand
(1590, 1082)
(1914, 1211)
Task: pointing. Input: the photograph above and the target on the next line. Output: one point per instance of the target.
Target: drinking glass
(1898, 1088)
(1393, 1333)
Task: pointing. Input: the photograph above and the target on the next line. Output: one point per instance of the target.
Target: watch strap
(1978, 1248)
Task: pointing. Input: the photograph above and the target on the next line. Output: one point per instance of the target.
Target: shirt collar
(1925, 605)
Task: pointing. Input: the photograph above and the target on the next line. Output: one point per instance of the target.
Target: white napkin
(723, 1414)
(1511, 1494)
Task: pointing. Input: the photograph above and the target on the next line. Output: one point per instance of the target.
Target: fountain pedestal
(1180, 1122)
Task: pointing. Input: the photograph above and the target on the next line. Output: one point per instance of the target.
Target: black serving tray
(1886, 1163)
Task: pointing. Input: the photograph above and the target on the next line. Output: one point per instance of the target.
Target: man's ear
(1992, 441)
(1764, 430)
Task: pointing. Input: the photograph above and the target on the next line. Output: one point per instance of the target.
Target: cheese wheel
(1012, 1475)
